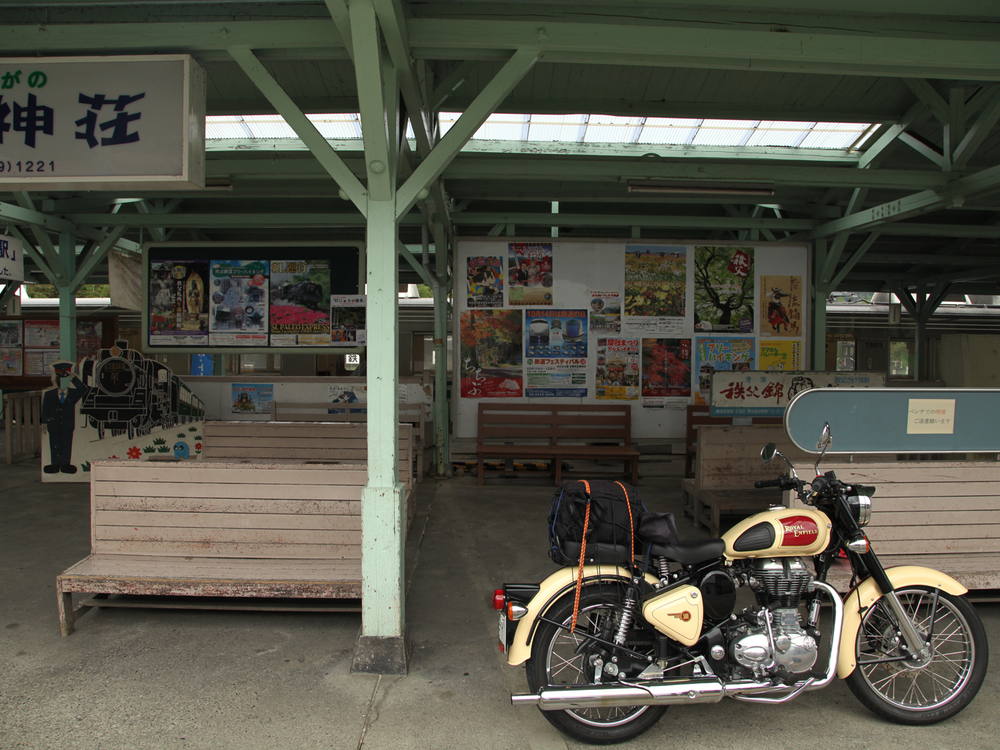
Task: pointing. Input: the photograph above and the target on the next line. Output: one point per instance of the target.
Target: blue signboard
(897, 420)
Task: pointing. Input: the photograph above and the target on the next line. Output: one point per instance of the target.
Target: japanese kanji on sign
(107, 122)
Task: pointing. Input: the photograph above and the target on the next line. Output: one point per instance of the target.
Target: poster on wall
(780, 306)
(723, 289)
(491, 354)
(11, 362)
(666, 369)
(239, 315)
(484, 281)
(252, 398)
(780, 355)
(178, 303)
(655, 290)
(605, 312)
(617, 375)
(38, 362)
(347, 320)
(300, 303)
(720, 354)
(88, 338)
(10, 333)
(41, 334)
(555, 353)
(530, 270)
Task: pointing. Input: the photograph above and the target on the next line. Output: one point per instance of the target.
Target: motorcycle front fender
(866, 593)
(549, 591)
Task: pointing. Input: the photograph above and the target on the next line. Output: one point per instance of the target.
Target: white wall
(580, 266)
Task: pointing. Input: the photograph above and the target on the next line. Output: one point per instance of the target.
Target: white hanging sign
(103, 122)
(11, 259)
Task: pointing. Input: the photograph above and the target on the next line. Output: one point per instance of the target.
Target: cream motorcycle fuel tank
(783, 532)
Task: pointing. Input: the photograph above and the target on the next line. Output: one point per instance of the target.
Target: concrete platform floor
(137, 679)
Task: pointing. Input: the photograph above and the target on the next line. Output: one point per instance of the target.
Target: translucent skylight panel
(835, 134)
(612, 129)
(338, 127)
(556, 128)
(779, 133)
(723, 132)
(229, 126)
(668, 130)
(268, 126)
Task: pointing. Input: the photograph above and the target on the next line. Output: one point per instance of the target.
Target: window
(846, 356)
(900, 359)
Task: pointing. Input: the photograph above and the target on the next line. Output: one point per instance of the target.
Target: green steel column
(820, 292)
(66, 269)
(442, 447)
(381, 647)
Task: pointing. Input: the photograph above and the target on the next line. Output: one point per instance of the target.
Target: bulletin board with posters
(240, 297)
(29, 344)
(642, 322)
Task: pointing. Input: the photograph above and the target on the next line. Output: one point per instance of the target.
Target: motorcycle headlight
(861, 508)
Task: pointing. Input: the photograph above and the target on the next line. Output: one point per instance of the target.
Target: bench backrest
(554, 424)
(929, 507)
(266, 442)
(210, 509)
(728, 457)
(291, 411)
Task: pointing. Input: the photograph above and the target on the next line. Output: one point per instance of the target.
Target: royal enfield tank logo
(800, 531)
(684, 616)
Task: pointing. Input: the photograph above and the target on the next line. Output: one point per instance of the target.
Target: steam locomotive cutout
(134, 395)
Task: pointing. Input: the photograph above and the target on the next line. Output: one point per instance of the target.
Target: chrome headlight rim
(861, 508)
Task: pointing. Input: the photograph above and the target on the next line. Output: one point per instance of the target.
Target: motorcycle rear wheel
(910, 691)
(559, 657)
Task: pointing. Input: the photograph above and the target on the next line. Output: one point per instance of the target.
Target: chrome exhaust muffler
(699, 690)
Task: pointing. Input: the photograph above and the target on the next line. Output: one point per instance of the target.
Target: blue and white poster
(555, 353)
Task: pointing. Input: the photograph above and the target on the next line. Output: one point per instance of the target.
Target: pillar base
(376, 655)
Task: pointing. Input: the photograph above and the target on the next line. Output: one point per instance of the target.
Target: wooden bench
(418, 415)
(219, 529)
(699, 415)
(555, 432)
(267, 442)
(941, 514)
(727, 464)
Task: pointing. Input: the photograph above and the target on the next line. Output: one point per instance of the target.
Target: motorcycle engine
(773, 638)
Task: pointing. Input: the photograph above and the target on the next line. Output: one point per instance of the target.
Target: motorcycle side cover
(866, 593)
(549, 590)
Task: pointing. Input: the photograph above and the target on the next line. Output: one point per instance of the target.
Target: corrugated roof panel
(268, 126)
(611, 129)
(343, 126)
(723, 132)
(556, 128)
(834, 134)
(668, 130)
(779, 133)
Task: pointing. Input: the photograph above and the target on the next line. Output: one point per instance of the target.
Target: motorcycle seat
(660, 531)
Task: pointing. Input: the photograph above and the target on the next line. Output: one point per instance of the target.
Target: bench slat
(277, 492)
(229, 549)
(215, 535)
(157, 566)
(201, 505)
(250, 520)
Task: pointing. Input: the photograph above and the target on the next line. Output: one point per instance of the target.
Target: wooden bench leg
(632, 465)
(67, 617)
(480, 471)
(557, 466)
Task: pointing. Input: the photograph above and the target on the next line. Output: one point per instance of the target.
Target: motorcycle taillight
(499, 599)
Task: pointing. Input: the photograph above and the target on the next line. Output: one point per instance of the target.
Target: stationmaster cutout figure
(59, 417)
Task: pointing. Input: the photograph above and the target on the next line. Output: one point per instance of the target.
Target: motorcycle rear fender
(549, 591)
(866, 593)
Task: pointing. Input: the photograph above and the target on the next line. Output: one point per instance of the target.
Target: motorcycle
(609, 645)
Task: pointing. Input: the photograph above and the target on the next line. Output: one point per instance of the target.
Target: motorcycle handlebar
(783, 483)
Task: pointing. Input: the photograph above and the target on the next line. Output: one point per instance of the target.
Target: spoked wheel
(911, 689)
(559, 657)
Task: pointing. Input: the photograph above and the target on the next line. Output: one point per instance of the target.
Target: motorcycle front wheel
(907, 690)
(559, 657)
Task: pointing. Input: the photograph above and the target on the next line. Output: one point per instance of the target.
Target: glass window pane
(900, 355)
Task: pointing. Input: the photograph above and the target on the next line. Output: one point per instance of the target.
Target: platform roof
(916, 202)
